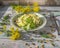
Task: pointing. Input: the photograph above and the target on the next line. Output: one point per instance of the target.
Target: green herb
(32, 25)
(6, 17)
(13, 5)
(46, 36)
(25, 28)
(8, 33)
(28, 20)
(1, 23)
(6, 21)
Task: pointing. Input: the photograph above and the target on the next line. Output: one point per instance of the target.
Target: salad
(29, 21)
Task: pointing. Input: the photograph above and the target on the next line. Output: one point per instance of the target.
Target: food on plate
(29, 21)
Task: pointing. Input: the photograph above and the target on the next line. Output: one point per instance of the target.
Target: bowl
(13, 23)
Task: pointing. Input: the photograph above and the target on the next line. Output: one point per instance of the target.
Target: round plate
(38, 28)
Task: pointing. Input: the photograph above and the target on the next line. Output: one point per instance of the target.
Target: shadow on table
(27, 36)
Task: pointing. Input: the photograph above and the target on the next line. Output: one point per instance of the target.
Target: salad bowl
(43, 19)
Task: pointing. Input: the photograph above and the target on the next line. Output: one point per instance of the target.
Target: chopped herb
(46, 36)
(6, 17)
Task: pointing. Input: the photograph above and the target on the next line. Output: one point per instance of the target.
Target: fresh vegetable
(15, 34)
(28, 21)
(1, 23)
(26, 9)
(6, 17)
(6, 20)
(47, 35)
